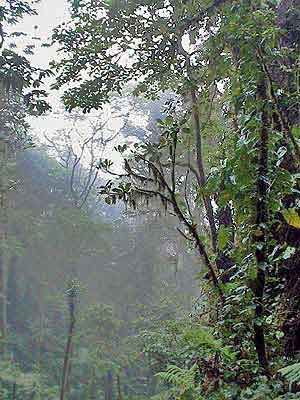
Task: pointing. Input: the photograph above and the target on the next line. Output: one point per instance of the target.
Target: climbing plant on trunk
(226, 64)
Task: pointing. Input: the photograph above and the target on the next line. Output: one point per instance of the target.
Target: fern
(179, 376)
(165, 395)
(291, 373)
(183, 381)
(203, 338)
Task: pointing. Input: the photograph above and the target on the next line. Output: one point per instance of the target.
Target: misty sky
(50, 14)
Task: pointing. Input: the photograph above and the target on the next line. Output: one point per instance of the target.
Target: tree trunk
(260, 237)
(202, 178)
(12, 294)
(3, 220)
(120, 397)
(108, 395)
(91, 392)
(14, 391)
(68, 352)
(289, 21)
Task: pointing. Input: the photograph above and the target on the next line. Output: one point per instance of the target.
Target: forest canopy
(150, 248)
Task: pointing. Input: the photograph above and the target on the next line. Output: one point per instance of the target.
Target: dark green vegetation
(99, 308)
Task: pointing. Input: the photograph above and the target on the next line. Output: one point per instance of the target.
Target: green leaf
(169, 120)
(279, 334)
(296, 131)
(224, 235)
(76, 4)
(291, 373)
(292, 217)
(289, 251)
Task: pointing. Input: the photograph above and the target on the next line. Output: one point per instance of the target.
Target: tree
(225, 61)
(17, 76)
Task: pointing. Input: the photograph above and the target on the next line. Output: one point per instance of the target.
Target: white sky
(50, 14)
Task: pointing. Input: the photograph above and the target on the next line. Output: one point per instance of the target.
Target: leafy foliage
(224, 161)
(291, 373)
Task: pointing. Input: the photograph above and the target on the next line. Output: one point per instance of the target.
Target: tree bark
(201, 172)
(288, 13)
(108, 386)
(14, 391)
(260, 237)
(120, 397)
(3, 219)
(68, 352)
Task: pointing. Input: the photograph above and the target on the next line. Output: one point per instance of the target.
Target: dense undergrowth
(225, 162)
